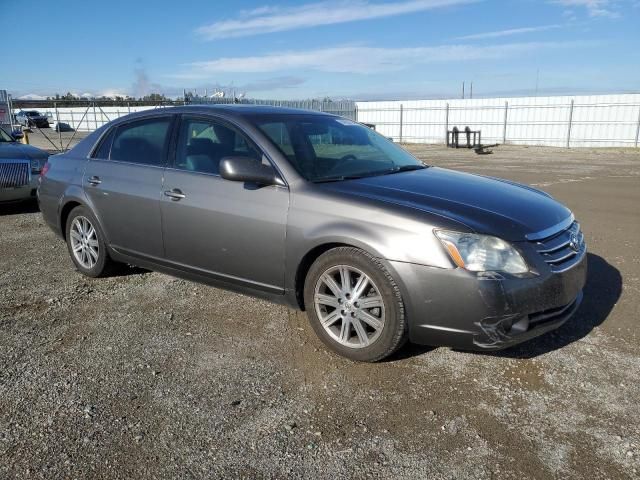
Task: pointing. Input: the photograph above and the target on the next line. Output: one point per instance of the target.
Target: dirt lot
(143, 375)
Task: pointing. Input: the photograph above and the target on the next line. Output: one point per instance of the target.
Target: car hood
(20, 151)
(486, 205)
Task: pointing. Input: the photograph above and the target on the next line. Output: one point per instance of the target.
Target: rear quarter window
(104, 147)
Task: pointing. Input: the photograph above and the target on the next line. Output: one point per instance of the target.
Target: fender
(76, 194)
(299, 258)
(383, 244)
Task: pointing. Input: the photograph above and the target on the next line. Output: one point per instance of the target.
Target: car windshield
(33, 113)
(325, 148)
(4, 136)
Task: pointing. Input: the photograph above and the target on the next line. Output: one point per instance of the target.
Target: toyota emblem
(574, 242)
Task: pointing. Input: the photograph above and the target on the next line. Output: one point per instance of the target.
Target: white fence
(566, 121)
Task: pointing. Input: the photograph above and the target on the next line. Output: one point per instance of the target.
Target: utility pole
(463, 89)
(471, 90)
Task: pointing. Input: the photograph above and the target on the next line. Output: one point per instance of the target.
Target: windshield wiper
(337, 178)
(407, 168)
(354, 176)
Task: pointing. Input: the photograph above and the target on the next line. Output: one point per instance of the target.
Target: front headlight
(482, 253)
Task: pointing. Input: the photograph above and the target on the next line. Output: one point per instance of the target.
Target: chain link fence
(90, 115)
(344, 108)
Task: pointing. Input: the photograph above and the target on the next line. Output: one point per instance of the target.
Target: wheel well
(64, 214)
(305, 265)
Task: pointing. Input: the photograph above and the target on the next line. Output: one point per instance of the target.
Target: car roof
(238, 110)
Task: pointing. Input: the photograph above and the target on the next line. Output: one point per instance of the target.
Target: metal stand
(453, 138)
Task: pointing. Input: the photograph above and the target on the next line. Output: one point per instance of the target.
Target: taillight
(45, 169)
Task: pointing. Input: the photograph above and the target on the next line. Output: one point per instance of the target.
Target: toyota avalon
(322, 214)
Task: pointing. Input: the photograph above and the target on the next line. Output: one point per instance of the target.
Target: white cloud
(112, 93)
(275, 83)
(509, 32)
(595, 8)
(366, 60)
(274, 19)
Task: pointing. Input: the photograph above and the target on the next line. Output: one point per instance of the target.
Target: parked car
(32, 118)
(20, 166)
(60, 126)
(323, 214)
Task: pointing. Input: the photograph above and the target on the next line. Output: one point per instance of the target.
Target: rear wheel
(86, 243)
(354, 305)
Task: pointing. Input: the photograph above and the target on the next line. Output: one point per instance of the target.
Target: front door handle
(175, 194)
(94, 180)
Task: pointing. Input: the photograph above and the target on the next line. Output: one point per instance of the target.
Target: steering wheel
(339, 167)
(348, 158)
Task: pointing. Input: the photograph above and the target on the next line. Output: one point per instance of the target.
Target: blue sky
(307, 49)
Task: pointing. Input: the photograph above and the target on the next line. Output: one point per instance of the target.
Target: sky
(360, 49)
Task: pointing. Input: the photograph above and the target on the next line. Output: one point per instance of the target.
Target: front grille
(14, 174)
(563, 249)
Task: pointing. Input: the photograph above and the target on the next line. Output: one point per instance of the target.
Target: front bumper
(25, 192)
(460, 309)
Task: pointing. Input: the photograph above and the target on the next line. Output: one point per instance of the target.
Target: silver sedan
(322, 214)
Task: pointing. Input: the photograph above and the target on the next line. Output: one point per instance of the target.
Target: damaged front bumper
(460, 309)
(502, 332)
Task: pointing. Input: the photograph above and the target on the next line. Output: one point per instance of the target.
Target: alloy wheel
(84, 242)
(349, 306)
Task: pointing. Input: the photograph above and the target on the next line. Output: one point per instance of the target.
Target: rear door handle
(175, 194)
(95, 180)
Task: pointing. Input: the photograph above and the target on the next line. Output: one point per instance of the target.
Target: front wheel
(354, 305)
(86, 243)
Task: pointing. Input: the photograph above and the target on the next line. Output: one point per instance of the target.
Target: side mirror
(246, 169)
(17, 135)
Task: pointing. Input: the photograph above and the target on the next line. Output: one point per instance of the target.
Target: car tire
(86, 243)
(364, 321)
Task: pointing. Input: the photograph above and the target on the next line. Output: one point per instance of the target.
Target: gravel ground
(146, 376)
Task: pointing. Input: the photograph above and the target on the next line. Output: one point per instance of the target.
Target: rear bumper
(39, 122)
(459, 309)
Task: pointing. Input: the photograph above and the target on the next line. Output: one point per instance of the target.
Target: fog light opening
(521, 326)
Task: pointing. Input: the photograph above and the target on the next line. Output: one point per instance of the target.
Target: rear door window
(142, 142)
